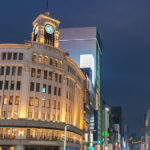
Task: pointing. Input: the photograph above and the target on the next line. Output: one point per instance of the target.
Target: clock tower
(46, 30)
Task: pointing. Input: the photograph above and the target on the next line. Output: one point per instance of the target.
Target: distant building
(84, 47)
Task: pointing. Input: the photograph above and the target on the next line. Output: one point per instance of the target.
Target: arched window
(60, 64)
(45, 60)
(56, 63)
(34, 57)
(40, 59)
(51, 61)
(35, 33)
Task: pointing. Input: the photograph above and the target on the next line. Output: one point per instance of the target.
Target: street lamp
(65, 137)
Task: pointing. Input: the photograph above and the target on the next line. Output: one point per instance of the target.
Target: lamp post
(65, 137)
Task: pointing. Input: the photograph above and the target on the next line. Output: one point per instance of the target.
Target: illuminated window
(56, 77)
(29, 114)
(17, 99)
(56, 63)
(33, 72)
(44, 88)
(34, 58)
(9, 114)
(51, 61)
(50, 75)
(15, 115)
(43, 103)
(54, 104)
(5, 100)
(43, 116)
(38, 73)
(46, 60)
(10, 100)
(21, 132)
(36, 115)
(36, 101)
(48, 103)
(13, 70)
(31, 101)
(60, 64)
(45, 74)
(40, 59)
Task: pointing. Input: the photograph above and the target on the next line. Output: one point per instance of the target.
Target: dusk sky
(124, 26)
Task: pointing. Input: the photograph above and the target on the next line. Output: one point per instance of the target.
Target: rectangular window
(31, 101)
(48, 116)
(6, 85)
(43, 103)
(50, 75)
(49, 89)
(15, 115)
(48, 103)
(36, 101)
(36, 115)
(18, 85)
(33, 72)
(20, 56)
(9, 114)
(60, 76)
(3, 56)
(19, 71)
(10, 100)
(32, 86)
(30, 114)
(1, 85)
(17, 99)
(58, 105)
(37, 87)
(55, 90)
(45, 74)
(9, 56)
(44, 88)
(13, 70)
(12, 85)
(38, 73)
(2, 70)
(7, 70)
(56, 76)
(54, 106)
(4, 114)
(14, 56)
(43, 116)
(59, 92)
(51, 61)
(5, 100)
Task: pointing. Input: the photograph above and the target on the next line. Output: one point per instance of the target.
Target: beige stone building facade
(41, 91)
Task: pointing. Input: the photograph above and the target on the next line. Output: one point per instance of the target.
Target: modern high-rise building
(41, 92)
(84, 47)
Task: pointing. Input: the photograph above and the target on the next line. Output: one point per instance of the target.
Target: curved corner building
(41, 91)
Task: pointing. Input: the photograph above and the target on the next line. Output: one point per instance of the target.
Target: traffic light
(88, 144)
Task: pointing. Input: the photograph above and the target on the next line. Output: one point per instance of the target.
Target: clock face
(36, 30)
(49, 29)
